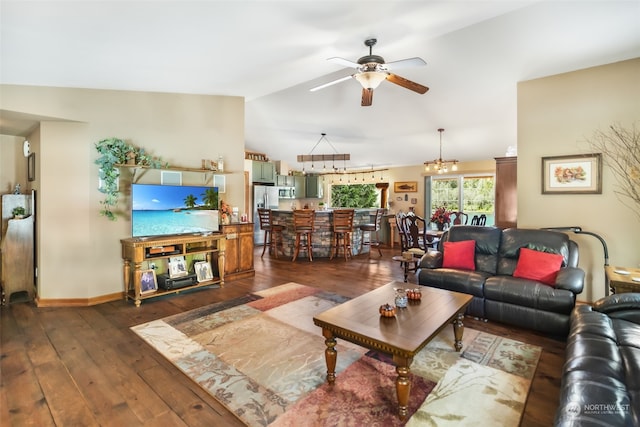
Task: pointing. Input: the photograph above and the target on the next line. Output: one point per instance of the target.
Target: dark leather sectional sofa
(601, 375)
(499, 296)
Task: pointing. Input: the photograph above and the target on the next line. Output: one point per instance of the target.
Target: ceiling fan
(372, 70)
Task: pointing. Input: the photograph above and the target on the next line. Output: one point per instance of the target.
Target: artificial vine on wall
(113, 152)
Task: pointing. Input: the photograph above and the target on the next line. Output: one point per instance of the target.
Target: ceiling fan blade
(344, 62)
(405, 63)
(313, 89)
(367, 97)
(408, 84)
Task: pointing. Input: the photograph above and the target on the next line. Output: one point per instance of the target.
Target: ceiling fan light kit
(370, 79)
(439, 165)
(371, 70)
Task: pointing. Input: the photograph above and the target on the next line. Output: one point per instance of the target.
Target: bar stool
(342, 229)
(272, 232)
(372, 228)
(303, 220)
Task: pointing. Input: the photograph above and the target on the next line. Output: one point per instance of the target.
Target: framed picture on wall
(578, 174)
(31, 167)
(220, 182)
(405, 186)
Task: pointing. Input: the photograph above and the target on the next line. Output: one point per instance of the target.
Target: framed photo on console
(177, 267)
(148, 282)
(203, 271)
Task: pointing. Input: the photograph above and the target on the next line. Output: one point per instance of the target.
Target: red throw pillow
(460, 255)
(540, 266)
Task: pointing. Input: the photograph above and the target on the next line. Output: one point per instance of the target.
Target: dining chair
(475, 219)
(303, 222)
(272, 232)
(482, 220)
(459, 218)
(342, 229)
(372, 228)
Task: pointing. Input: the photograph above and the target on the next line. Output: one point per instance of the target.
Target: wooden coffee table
(402, 336)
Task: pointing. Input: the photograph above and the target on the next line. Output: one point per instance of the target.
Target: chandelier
(439, 165)
(324, 158)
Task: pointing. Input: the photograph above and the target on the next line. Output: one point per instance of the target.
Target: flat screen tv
(171, 209)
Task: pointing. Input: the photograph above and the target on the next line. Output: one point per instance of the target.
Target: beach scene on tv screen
(169, 209)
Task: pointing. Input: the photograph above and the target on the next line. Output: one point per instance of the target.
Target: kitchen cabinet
(263, 172)
(313, 188)
(238, 250)
(285, 181)
(309, 187)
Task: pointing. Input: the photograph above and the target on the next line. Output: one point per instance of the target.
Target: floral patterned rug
(263, 358)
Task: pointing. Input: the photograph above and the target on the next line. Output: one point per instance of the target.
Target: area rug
(263, 358)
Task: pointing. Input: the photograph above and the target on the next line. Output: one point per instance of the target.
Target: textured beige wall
(78, 250)
(555, 116)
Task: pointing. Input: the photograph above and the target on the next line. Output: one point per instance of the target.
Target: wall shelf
(140, 170)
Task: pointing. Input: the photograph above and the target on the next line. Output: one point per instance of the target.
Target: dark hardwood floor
(84, 367)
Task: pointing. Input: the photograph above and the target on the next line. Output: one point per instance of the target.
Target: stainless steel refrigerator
(264, 196)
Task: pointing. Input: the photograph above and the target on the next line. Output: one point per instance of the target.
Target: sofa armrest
(622, 306)
(570, 279)
(432, 259)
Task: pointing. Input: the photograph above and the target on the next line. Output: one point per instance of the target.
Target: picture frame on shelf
(148, 281)
(203, 271)
(573, 174)
(177, 267)
(405, 186)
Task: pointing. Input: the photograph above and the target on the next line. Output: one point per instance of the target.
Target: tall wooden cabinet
(506, 192)
(16, 248)
(239, 250)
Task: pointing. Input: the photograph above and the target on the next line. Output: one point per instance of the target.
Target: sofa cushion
(536, 265)
(528, 293)
(468, 282)
(459, 255)
(513, 239)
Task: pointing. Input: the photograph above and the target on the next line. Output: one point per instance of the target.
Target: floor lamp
(579, 230)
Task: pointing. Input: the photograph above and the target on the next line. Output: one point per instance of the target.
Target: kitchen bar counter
(323, 233)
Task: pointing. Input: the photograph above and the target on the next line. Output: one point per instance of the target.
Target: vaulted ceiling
(272, 52)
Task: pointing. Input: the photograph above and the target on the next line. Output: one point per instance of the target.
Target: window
(355, 196)
(474, 193)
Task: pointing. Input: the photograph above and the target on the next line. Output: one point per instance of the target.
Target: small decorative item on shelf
(414, 294)
(18, 212)
(387, 310)
(225, 213)
(220, 164)
(441, 217)
(401, 298)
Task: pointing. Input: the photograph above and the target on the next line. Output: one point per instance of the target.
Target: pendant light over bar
(323, 158)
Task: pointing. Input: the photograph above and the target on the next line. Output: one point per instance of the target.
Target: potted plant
(18, 212)
(115, 152)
